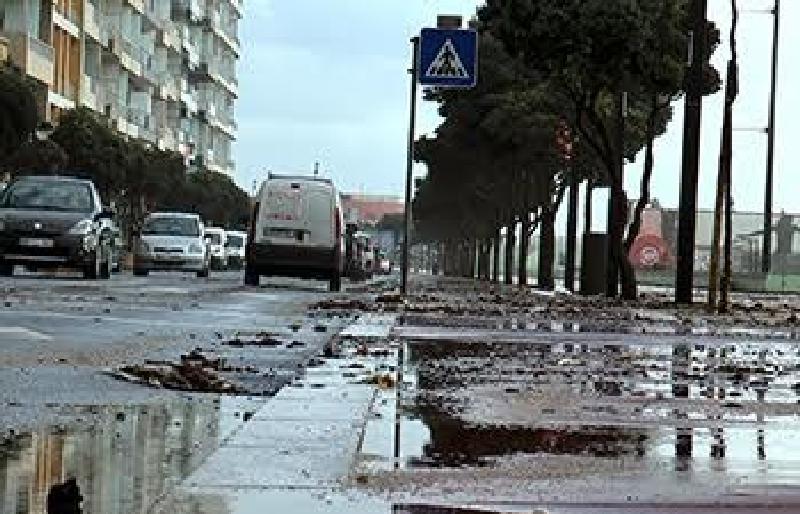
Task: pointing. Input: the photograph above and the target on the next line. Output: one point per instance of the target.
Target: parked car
(54, 222)
(172, 242)
(234, 246)
(296, 231)
(216, 243)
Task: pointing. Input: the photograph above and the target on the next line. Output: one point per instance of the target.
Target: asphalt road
(60, 335)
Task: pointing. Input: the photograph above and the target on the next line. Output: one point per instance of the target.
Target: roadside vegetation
(132, 175)
(568, 90)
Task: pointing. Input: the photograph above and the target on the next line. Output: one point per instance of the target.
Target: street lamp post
(766, 252)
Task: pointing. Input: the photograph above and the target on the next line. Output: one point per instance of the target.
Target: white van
(217, 246)
(234, 248)
(296, 231)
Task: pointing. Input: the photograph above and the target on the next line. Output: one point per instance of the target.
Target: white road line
(24, 332)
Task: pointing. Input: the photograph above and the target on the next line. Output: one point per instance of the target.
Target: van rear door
(296, 213)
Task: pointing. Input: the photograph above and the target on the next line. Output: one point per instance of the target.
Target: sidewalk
(511, 413)
(297, 453)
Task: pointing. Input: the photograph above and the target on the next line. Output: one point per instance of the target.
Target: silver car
(171, 242)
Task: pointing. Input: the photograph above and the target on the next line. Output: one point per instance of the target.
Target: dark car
(55, 222)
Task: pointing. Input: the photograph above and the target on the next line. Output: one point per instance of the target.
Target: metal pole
(687, 216)
(410, 161)
(766, 252)
(572, 231)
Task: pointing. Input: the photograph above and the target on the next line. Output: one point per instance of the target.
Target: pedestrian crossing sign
(448, 58)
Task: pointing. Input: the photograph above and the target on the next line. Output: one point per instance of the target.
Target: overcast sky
(326, 80)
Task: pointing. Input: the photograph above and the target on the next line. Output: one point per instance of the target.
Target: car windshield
(171, 226)
(235, 241)
(214, 238)
(48, 195)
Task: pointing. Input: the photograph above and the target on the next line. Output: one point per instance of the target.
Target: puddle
(123, 461)
(657, 417)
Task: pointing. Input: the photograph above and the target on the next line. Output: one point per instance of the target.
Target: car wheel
(141, 272)
(92, 269)
(251, 277)
(336, 282)
(203, 273)
(6, 270)
(107, 265)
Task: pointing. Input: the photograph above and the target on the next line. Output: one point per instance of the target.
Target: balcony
(68, 20)
(143, 123)
(226, 34)
(138, 5)
(237, 6)
(90, 93)
(33, 57)
(92, 21)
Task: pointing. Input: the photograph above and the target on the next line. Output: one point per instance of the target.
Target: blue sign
(448, 58)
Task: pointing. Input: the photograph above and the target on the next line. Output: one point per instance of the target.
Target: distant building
(369, 210)
(160, 71)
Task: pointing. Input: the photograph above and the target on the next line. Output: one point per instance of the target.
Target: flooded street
(235, 399)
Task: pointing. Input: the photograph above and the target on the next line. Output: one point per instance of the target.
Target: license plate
(36, 243)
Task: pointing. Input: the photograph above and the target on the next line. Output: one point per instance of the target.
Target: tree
(37, 157)
(95, 151)
(593, 51)
(18, 112)
(215, 196)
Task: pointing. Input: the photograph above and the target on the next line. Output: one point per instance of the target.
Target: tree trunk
(496, 256)
(572, 234)
(523, 247)
(587, 220)
(547, 247)
(616, 205)
(713, 265)
(511, 237)
(644, 195)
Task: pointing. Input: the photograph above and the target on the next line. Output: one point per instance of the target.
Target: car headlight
(195, 248)
(81, 228)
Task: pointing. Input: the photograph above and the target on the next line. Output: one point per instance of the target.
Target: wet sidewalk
(297, 453)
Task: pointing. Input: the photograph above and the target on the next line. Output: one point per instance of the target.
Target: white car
(216, 243)
(297, 231)
(171, 242)
(235, 248)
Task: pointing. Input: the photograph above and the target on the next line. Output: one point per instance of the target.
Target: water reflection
(122, 462)
(690, 408)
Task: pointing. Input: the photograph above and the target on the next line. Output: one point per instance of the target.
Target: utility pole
(766, 252)
(410, 162)
(687, 212)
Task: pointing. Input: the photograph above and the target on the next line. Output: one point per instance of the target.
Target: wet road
(492, 418)
(64, 414)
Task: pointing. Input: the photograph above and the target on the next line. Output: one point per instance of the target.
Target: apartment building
(162, 71)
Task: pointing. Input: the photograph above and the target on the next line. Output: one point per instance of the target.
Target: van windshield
(169, 226)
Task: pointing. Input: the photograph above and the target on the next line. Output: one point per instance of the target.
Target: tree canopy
(548, 67)
(18, 112)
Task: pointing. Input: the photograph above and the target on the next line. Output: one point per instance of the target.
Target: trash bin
(593, 264)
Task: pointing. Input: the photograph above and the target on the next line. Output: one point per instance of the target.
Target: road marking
(24, 332)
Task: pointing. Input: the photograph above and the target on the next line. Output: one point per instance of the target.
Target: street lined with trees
(605, 74)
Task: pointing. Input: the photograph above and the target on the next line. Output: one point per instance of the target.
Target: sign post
(446, 58)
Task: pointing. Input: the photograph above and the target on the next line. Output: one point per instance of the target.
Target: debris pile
(195, 372)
